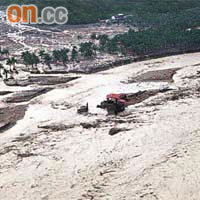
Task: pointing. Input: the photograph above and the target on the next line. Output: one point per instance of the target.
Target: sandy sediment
(54, 153)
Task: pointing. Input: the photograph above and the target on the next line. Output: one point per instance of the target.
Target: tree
(12, 62)
(112, 46)
(56, 55)
(47, 60)
(95, 48)
(74, 55)
(123, 51)
(4, 52)
(87, 49)
(61, 55)
(1, 70)
(41, 53)
(30, 59)
(4, 73)
(79, 37)
(103, 40)
(64, 58)
(27, 58)
(9, 62)
(93, 36)
(1, 66)
(34, 60)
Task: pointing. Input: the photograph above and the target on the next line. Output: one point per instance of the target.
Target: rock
(57, 127)
(114, 131)
(21, 139)
(45, 197)
(83, 109)
(89, 125)
(26, 155)
(2, 93)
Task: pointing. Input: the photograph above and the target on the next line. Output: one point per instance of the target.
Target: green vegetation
(47, 60)
(4, 52)
(61, 56)
(87, 50)
(12, 62)
(30, 59)
(162, 24)
(6, 73)
(74, 55)
(158, 27)
(160, 31)
(154, 41)
(144, 11)
(84, 51)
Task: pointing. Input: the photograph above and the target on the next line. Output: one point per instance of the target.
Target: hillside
(89, 11)
(143, 143)
(55, 154)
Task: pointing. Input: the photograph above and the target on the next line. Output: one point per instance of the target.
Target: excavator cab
(114, 104)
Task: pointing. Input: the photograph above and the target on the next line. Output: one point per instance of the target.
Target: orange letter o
(10, 11)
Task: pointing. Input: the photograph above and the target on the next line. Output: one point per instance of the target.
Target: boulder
(114, 131)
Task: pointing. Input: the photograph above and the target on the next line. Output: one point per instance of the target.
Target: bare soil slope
(55, 154)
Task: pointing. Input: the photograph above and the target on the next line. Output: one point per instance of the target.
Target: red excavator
(114, 104)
